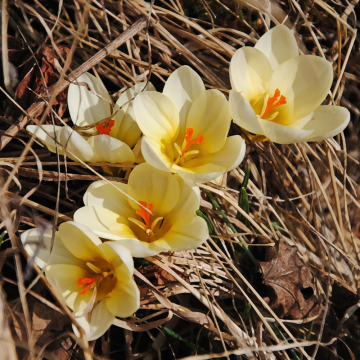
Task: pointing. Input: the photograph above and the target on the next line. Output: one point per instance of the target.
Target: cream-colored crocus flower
(94, 278)
(185, 129)
(172, 225)
(111, 142)
(278, 93)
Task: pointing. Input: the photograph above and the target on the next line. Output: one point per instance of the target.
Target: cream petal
(102, 194)
(278, 45)
(85, 107)
(243, 113)
(200, 174)
(154, 156)
(188, 232)
(283, 134)
(183, 87)
(157, 117)
(250, 72)
(107, 148)
(96, 324)
(154, 187)
(45, 138)
(306, 84)
(80, 241)
(209, 116)
(104, 222)
(76, 144)
(139, 249)
(327, 121)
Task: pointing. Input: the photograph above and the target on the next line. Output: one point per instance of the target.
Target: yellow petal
(154, 155)
(278, 45)
(45, 138)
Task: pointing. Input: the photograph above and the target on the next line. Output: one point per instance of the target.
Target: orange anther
(105, 130)
(82, 281)
(145, 214)
(189, 133)
(273, 102)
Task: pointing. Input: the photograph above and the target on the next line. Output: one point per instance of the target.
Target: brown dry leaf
(159, 276)
(290, 283)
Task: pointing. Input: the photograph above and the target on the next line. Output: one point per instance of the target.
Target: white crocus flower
(185, 129)
(109, 142)
(94, 278)
(172, 225)
(278, 93)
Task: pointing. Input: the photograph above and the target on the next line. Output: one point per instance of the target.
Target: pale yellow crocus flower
(94, 278)
(172, 225)
(278, 93)
(185, 129)
(110, 142)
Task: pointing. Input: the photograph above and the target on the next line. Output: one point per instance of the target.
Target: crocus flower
(278, 93)
(94, 278)
(172, 224)
(108, 142)
(185, 129)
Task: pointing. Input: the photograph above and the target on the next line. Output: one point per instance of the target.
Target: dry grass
(304, 195)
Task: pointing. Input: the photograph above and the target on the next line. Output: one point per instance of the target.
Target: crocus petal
(188, 232)
(183, 87)
(76, 144)
(278, 45)
(45, 138)
(125, 128)
(283, 134)
(139, 249)
(154, 156)
(250, 72)
(154, 187)
(107, 148)
(85, 107)
(306, 84)
(327, 121)
(157, 117)
(104, 222)
(96, 324)
(38, 243)
(200, 174)
(243, 114)
(209, 116)
(105, 194)
(80, 241)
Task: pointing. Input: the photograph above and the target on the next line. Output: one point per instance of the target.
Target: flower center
(183, 153)
(102, 129)
(145, 215)
(92, 282)
(271, 103)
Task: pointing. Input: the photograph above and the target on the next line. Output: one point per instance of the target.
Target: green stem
(284, 338)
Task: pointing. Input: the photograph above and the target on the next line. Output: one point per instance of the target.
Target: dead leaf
(290, 283)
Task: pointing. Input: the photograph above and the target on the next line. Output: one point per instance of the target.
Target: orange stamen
(105, 130)
(145, 214)
(189, 133)
(82, 281)
(273, 103)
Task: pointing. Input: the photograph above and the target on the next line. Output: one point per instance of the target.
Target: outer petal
(104, 222)
(154, 156)
(155, 187)
(80, 241)
(140, 249)
(45, 138)
(209, 115)
(283, 134)
(157, 117)
(183, 87)
(243, 114)
(86, 108)
(327, 122)
(188, 232)
(306, 84)
(278, 45)
(38, 243)
(95, 325)
(250, 72)
(107, 148)
(126, 129)
(76, 144)
(102, 194)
